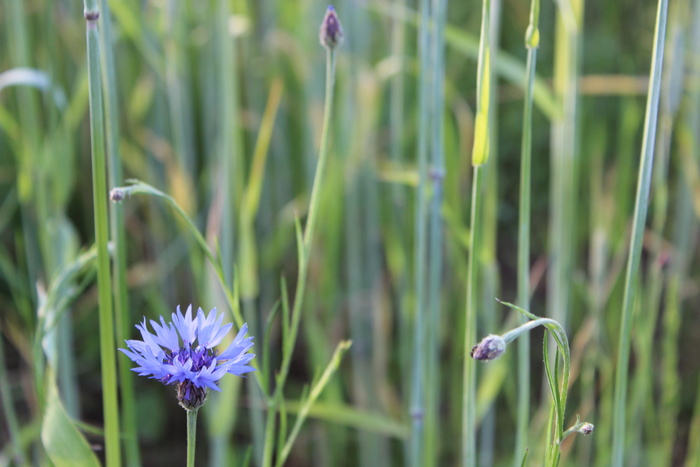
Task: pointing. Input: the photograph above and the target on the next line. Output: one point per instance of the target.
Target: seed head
(490, 348)
(331, 34)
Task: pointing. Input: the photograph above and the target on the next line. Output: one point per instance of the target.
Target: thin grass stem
(635, 247)
(523, 419)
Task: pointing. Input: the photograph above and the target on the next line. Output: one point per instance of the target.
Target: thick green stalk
(99, 180)
(435, 259)
(191, 436)
(564, 144)
(417, 408)
(531, 43)
(635, 247)
(490, 284)
(469, 387)
(480, 154)
(118, 235)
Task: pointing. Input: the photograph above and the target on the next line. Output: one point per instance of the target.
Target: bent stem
(558, 386)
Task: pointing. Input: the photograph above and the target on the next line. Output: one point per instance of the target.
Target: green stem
(305, 246)
(191, 436)
(316, 391)
(480, 153)
(469, 389)
(635, 248)
(118, 235)
(311, 221)
(269, 445)
(417, 409)
(531, 42)
(435, 259)
(99, 180)
(564, 151)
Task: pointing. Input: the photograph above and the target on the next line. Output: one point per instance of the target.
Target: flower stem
(304, 249)
(311, 221)
(191, 435)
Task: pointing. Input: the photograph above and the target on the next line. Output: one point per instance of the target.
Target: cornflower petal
(211, 332)
(166, 336)
(184, 325)
(239, 345)
(148, 338)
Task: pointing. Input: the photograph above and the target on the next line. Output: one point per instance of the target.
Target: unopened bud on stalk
(117, 194)
(586, 429)
(331, 34)
(490, 348)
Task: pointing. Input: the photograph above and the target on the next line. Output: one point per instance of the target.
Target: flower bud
(331, 34)
(490, 347)
(190, 396)
(117, 195)
(586, 429)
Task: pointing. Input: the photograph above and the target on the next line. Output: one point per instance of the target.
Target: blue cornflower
(182, 352)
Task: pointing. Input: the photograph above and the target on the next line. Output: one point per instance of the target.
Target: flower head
(331, 31)
(182, 352)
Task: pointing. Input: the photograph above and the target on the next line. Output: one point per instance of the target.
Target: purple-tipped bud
(331, 34)
(586, 429)
(117, 194)
(490, 347)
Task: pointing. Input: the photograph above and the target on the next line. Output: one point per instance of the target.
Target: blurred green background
(220, 105)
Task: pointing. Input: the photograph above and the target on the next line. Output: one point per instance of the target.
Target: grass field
(371, 207)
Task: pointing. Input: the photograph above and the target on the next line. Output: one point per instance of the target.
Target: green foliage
(64, 444)
(324, 216)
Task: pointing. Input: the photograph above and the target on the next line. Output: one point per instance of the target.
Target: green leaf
(524, 462)
(64, 444)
